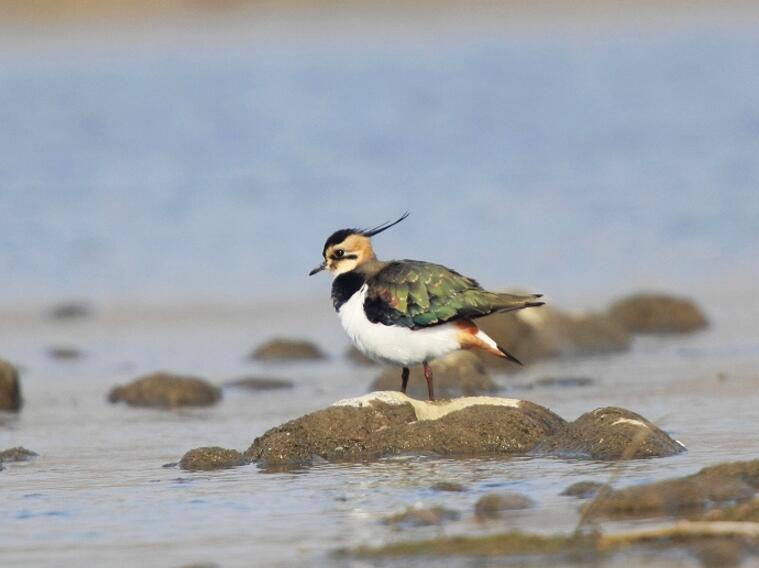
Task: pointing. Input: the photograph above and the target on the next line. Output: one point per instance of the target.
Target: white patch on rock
(426, 410)
(630, 421)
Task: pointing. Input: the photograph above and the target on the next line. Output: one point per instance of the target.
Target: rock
(389, 423)
(657, 313)
(723, 484)
(492, 505)
(287, 350)
(546, 333)
(723, 552)
(514, 544)
(585, 489)
(205, 459)
(451, 486)
(10, 387)
(355, 356)
(64, 353)
(260, 383)
(17, 454)
(460, 373)
(743, 512)
(418, 517)
(610, 434)
(70, 310)
(165, 390)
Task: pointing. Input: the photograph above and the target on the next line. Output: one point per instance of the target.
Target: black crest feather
(342, 234)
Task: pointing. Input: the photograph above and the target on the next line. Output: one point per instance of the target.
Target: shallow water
(98, 492)
(204, 178)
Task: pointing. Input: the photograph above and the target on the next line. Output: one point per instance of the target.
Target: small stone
(10, 387)
(70, 310)
(492, 505)
(65, 353)
(418, 517)
(165, 390)
(287, 350)
(657, 313)
(584, 489)
(17, 454)
(210, 458)
(450, 486)
(260, 383)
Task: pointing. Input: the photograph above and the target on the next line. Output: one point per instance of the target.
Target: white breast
(396, 345)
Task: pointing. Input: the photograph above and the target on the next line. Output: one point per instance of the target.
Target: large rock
(389, 423)
(287, 350)
(546, 333)
(10, 388)
(210, 458)
(722, 484)
(657, 313)
(460, 373)
(165, 390)
(385, 424)
(612, 434)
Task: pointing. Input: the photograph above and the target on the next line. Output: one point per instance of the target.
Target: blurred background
(204, 151)
(169, 172)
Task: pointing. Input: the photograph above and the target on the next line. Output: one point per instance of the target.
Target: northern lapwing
(407, 312)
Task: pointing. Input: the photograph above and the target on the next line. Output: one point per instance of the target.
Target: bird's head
(347, 249)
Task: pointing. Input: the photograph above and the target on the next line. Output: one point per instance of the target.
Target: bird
(409, 312)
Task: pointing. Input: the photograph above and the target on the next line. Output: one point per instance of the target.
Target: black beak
(319, 268)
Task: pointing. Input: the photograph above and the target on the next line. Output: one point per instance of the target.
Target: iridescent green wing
(418, 294)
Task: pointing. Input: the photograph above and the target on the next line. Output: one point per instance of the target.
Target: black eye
(339, 253)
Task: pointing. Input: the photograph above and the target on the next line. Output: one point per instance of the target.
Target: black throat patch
(344, 286)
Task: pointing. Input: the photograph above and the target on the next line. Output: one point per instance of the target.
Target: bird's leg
(404, 379)
(428, 377)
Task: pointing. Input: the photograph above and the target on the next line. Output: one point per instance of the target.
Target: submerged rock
(10, 387)
(209, 458)
(419, 517)
(260, 383)
(74, 309)
(450, 486)
(610, 434)
(287, 350)
(742, 512)
(493, 505)
(657, 313)
(545, 333)
(385, 424)
(513, 544)
(585, 489)
(460, 373)
(17, 454)
(723, 484)
(389, 423)
(64, 353)
(165, 390)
